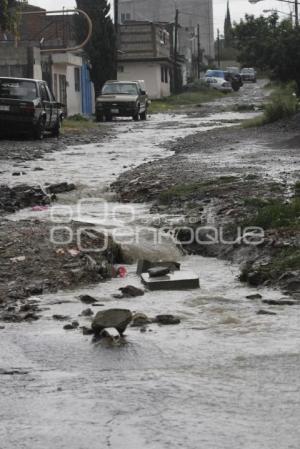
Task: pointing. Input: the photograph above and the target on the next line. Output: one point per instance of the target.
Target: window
(77, 79)
(166, 75)
(44, 93)
(18, 89)
(125, 17)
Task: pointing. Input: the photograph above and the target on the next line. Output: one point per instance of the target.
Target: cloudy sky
(238, 8)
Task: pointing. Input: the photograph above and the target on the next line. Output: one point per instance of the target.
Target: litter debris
(18, 259)
(39, 208)
(122, 272)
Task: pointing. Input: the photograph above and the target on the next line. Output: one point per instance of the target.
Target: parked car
(27, 105)
(232, 74)
(216, 80)
(248, 74)
(122, 99)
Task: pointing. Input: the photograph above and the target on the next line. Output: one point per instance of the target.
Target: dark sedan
(28, 106)
(248, 75)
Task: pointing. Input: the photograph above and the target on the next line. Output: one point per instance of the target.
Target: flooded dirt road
(225, 378)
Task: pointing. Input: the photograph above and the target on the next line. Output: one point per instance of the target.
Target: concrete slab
(179, 280)
(144, 265)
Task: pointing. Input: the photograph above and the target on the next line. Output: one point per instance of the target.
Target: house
(145, 54)
(66, 72)
(194, 16)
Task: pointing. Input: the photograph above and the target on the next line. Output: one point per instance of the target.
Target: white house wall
(74, 98)
(150, 73)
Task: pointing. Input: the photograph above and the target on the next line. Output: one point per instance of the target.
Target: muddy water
(225, 378)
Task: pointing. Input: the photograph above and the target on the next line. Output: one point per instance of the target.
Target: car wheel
(144, 115)
(99, 117)
(39, 130)
(56, 130)
(136, 117)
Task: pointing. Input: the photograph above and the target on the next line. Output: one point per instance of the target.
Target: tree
(228, 28)
(8, 14)
(101, 49)
(269, 44)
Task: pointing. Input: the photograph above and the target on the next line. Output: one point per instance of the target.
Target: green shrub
(283, 103)
(277, 215)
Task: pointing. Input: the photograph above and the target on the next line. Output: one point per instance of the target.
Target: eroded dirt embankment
(230, 178)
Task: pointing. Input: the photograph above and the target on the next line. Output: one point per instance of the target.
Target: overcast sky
(238, 8)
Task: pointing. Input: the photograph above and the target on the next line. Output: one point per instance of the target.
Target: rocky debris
(61, 317)
(87, 299)
(131, 292)
(140, 320)
(167, 320)
(281, 302)
(22, 196)
(12, 372)
(87, 330)
(22, 312)
(87, 312)
(112, 318)
(73, 326)
(255, 296)
(62, 187)
(31, 264)
(265, 312)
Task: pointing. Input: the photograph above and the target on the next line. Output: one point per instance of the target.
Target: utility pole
(176, 50)
(116, 16)
(116, 22)
(296, 13)
(199, 51)
(218, 44)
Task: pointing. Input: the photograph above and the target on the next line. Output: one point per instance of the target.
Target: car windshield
(232, 70)
(215, 73)
(248, 70)
(119, 89)
(18, 89)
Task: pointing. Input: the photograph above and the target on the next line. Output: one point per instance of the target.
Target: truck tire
(136, 116)
(56, 129)
(143, 115)
(99, 116)
(39, 129)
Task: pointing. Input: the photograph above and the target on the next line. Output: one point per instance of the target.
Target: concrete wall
(20, 62)
(196, 12)
(150, 72)
(144, 40)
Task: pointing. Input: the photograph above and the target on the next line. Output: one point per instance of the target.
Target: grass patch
(276, 214)
(285, 260)
(77, 124)
(197, 188)
(283, 104)
(200, 96)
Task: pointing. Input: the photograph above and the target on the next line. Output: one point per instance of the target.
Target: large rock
(131, 292)
(112, 318)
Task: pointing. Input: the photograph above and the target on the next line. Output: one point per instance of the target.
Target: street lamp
(277, 11)
(295, 2)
